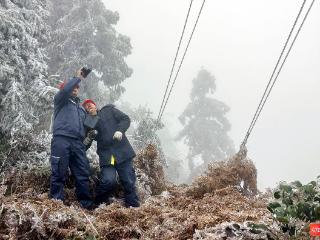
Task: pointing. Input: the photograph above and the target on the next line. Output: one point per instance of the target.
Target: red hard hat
(88, 101)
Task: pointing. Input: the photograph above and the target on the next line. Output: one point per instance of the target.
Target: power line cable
(276, 66)
(268, 90)
(175, 59)
(185, 52)
(296, 36)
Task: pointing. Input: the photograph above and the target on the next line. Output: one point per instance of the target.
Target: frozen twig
(90, 222)
(1, 210)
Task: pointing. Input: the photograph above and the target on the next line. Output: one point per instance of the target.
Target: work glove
(117, 135)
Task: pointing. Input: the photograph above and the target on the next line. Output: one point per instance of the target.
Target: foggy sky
(239, 43)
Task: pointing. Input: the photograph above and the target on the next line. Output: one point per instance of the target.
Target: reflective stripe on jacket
(110, 121)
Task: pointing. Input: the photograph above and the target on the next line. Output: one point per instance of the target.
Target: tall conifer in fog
(205, 125)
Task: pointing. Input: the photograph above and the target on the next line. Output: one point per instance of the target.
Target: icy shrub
(26, 152)
(295, 205)
(150, 172)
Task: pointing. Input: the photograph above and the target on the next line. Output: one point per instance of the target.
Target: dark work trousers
(69, 152)
(108, 182)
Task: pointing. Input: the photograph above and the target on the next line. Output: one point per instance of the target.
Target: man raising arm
(67, 148)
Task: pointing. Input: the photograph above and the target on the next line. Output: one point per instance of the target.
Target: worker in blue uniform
(67, 148)
(115, 153)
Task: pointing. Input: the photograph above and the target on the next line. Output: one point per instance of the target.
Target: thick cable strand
(175, 59)
(185, 52)
(284, 61)
(273, 72)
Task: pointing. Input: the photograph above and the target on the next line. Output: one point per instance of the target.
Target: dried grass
(172, 215)
(237, 171)
(180, 212)
(147, 162)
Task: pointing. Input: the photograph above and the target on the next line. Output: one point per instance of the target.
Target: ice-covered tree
(205, 125)
(83, 33)
(25, 95)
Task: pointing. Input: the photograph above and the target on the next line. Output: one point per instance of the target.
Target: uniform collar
(75, 99)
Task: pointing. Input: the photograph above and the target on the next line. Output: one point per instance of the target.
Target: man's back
(68, 114)
(110, 121)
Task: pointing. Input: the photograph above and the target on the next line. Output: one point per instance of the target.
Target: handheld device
(85, 71)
